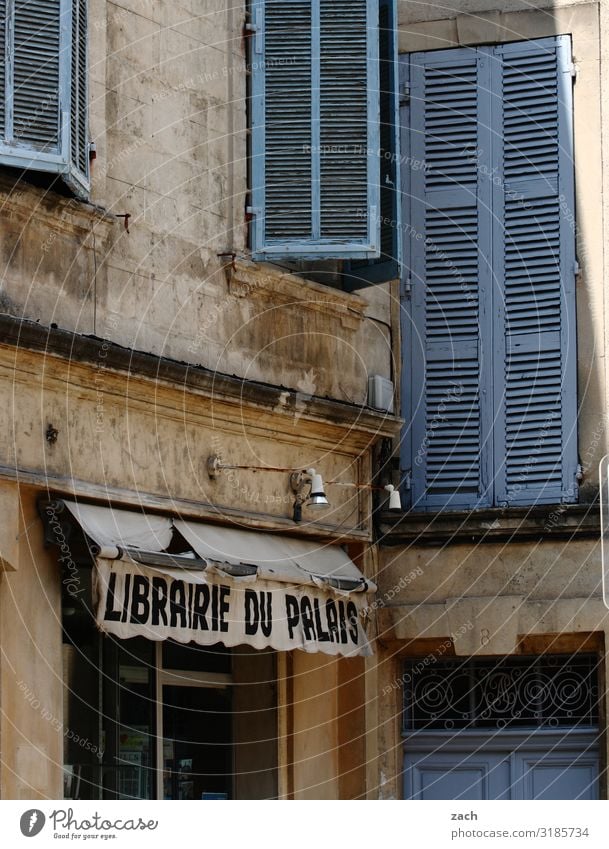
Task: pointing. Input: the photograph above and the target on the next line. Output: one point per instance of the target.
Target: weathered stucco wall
(147, 441)
(168, 116)
(31, 683)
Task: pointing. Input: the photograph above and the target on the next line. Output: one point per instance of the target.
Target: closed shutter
(2, 67)
(79, 140)
(535, 438)
(361, 273)
(449, 279)
(492, 371)
(314, 147)
(37, 97)
(36, 74)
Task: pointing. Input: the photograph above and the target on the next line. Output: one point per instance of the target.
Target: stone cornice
(558, 521)
(362, 423)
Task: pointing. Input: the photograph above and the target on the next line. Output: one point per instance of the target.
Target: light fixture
(395, 502)
(307, 486)
(317, 497)
(313, 497)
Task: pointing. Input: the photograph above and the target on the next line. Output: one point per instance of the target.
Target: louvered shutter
(3, 34)
(535, 375)
(361, 273)
(497, 185)
(449, 278)
(78, 176)
(315, 125)
(35, 85)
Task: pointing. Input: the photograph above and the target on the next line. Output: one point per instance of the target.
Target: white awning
(276, 558)
(164, 578)
(110, 528)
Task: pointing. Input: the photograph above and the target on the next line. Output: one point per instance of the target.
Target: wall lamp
(307, 485)
(308, 488)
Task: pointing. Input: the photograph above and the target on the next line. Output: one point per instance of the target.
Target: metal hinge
(407, 480)
(406, 287)
(576, 268)
(404, 94)
(573, 70)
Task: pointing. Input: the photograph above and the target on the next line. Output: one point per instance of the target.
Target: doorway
(194, 723)
(507, 728)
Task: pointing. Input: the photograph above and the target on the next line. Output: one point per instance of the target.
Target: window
(43, 88)
(511, 692)
(319, 185)
(489, 303)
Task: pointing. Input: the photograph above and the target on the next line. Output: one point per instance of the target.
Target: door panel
(516, 772)
(558, 775)
(458, 776)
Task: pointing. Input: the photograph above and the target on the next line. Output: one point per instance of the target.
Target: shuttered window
(489, 303)
(315, 188)
(43, 88)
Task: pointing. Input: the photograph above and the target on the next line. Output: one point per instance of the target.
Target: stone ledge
(59, 212)
(558, 521)
(248, 279)
(23, 334)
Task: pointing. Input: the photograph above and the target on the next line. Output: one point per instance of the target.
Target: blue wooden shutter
(361, 273)
(78, 175)
(449, 239)
(3, 34)
(36, 45)
(315, 124)
(535, 370)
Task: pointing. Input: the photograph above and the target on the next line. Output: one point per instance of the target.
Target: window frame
(24, 156)
(311, 249)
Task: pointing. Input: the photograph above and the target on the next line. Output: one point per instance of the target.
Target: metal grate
(549, 691)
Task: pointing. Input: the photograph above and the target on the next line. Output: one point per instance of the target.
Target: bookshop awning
(161, 578)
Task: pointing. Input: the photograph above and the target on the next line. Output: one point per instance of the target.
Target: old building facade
(175, 346)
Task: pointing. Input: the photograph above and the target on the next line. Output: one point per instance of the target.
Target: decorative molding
(143, 370)
(557, 521)
(263, 279)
